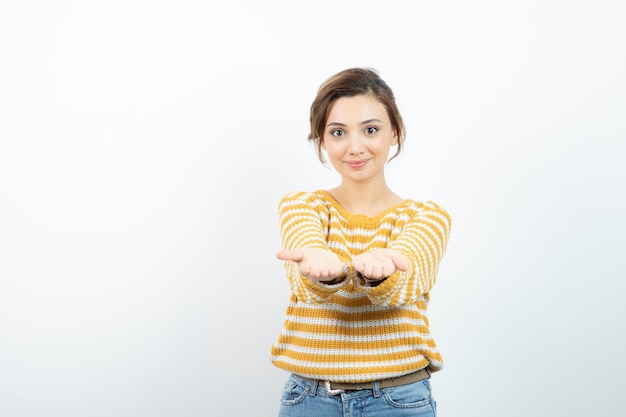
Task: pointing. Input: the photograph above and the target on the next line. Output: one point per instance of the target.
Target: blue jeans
(303, 398)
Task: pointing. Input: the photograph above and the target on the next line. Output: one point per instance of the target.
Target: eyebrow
(364, 122)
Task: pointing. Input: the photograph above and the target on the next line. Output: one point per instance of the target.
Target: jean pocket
(414, 395)
(293, 393)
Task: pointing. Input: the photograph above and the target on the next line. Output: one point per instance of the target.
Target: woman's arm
(311, 267)
(422, 244)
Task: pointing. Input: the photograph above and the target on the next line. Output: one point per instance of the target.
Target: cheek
(379, 147)
(334, 149)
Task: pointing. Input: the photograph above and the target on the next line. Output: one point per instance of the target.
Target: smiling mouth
(357, 164)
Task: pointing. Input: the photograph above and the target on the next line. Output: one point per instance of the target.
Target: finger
(400, 262)
(327, 274)
(306, 271)
(378, 273)
(371, 272)
(289, 255)
(317, 275)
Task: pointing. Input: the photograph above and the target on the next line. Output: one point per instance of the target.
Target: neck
(365, 198)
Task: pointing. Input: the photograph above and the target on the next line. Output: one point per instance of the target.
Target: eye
(337, 133)
(371, 130)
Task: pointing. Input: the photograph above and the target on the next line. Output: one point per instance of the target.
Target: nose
(356, 144)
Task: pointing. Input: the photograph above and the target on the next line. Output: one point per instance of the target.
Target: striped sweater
(351, 331)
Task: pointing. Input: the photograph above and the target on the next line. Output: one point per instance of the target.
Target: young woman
(361, 262)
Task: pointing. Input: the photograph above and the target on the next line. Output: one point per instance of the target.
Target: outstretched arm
(310, 265)
(421, 244)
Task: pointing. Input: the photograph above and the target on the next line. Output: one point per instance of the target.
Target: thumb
(400, 262)
(289, 255)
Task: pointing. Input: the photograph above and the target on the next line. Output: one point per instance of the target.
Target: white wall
(144, 146)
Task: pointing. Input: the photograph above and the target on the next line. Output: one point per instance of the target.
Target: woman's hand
(379, 263)
(315, 264)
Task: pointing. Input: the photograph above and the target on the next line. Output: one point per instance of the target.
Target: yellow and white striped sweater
(354, 332)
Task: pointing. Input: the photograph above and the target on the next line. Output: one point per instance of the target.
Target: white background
(144, 146)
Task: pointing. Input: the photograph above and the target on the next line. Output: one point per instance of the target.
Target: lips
(357, 164)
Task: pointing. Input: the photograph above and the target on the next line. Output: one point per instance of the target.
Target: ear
(394, 138)
(322, 143)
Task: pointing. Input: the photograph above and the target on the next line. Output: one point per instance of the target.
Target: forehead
(356, 109)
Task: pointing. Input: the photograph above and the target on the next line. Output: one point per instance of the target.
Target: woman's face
(357, 138)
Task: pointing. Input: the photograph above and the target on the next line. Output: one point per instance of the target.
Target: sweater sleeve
(423, 242)
(301, 226)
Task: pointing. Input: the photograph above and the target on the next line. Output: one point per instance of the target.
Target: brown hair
(348, 83)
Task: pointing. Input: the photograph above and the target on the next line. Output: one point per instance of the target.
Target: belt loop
(313, 387)
(376, 389)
